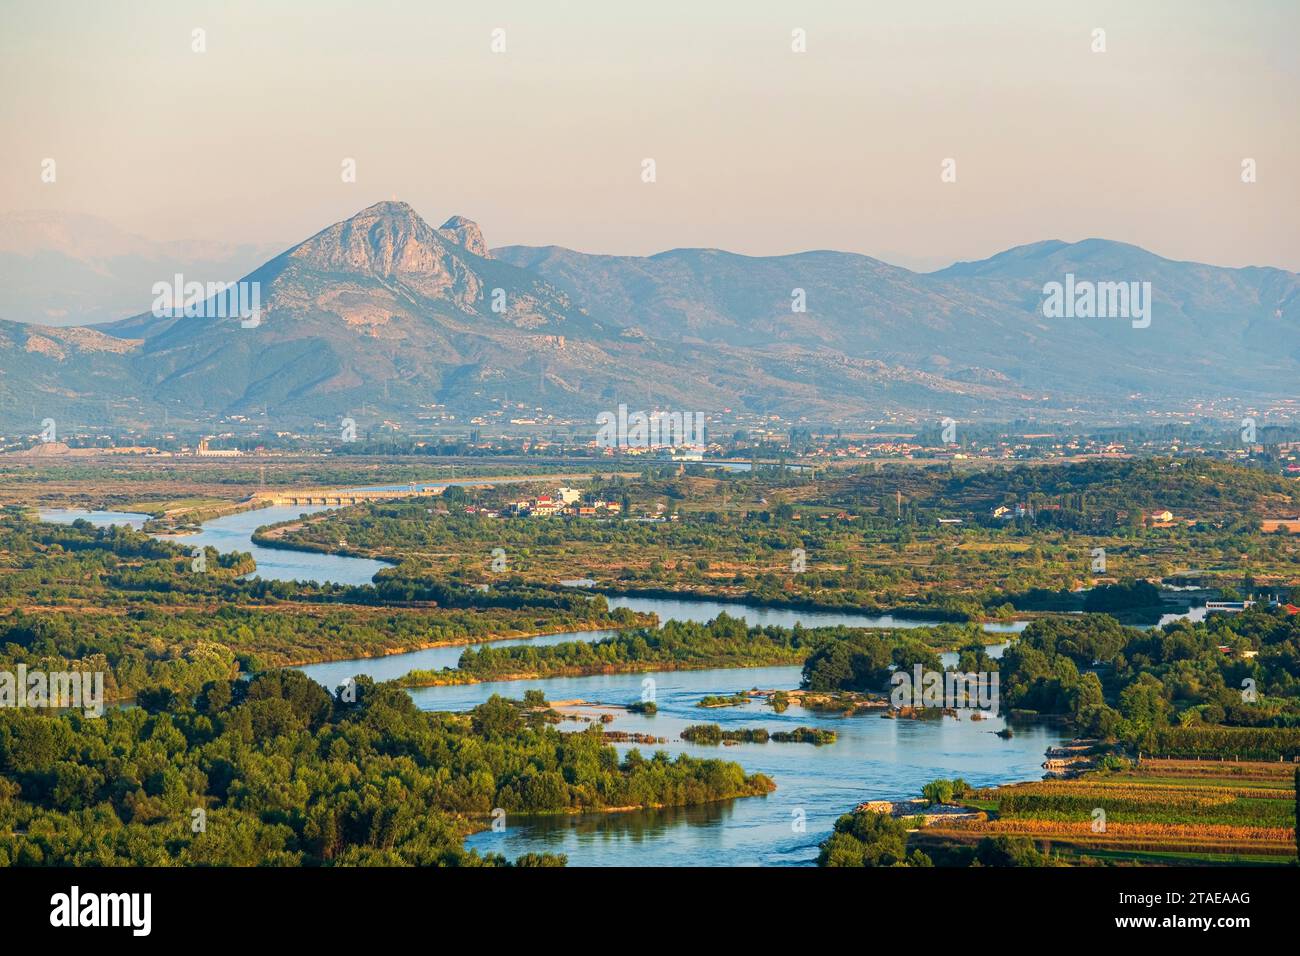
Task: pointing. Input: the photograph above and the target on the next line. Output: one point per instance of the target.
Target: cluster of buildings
(564, 501)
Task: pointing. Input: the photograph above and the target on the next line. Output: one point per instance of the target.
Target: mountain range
(59, 268)
(382, 316)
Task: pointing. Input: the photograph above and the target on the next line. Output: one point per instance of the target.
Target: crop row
(1048, 828)
(1152, 791)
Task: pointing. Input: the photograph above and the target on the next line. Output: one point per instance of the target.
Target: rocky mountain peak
(386, 239)
(465, 232)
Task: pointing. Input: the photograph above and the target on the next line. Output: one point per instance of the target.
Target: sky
(757, 148)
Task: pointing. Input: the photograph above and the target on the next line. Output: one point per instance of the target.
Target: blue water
(99, 519)
(690, 610)
(872, 759)
(333, 673)
(234, 533)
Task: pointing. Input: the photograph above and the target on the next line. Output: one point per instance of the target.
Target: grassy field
(1174, 812)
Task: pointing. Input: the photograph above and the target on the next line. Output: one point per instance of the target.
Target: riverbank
(183, 521)
(273, 536)
(723, 642)
(884, 755)
(760, 787)
(387, 537)
(913, 612)
(1079, 753)
(592, 626)
(458, 677)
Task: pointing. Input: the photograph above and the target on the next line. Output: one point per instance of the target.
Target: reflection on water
(333, 673)
(99, 519)
(703, 611)
(1192, 614)
(872, 759)
(671, 836)
(634, 825)
(235, 533)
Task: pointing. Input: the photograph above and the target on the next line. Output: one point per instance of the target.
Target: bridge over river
(343, 496)
(337, 497)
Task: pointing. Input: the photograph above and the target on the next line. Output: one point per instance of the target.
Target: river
(872, 759)
(235, 533)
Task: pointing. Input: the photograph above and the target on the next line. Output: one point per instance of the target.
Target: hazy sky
(758, 149)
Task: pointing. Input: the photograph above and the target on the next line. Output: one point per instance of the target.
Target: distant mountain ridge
(74, 269)
(383, 316)
(1215, 331)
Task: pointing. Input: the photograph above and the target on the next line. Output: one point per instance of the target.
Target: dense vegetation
(678, 645)
(1226, 686)
(288, 775)
(869, 839)
(864, 660)
(871, 539)
(117, 601)
(1239, 671)
(715, 734)
(277, 772)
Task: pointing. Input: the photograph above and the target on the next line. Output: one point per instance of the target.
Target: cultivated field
(1163, 811)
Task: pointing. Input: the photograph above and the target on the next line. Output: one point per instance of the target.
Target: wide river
(873, 758)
